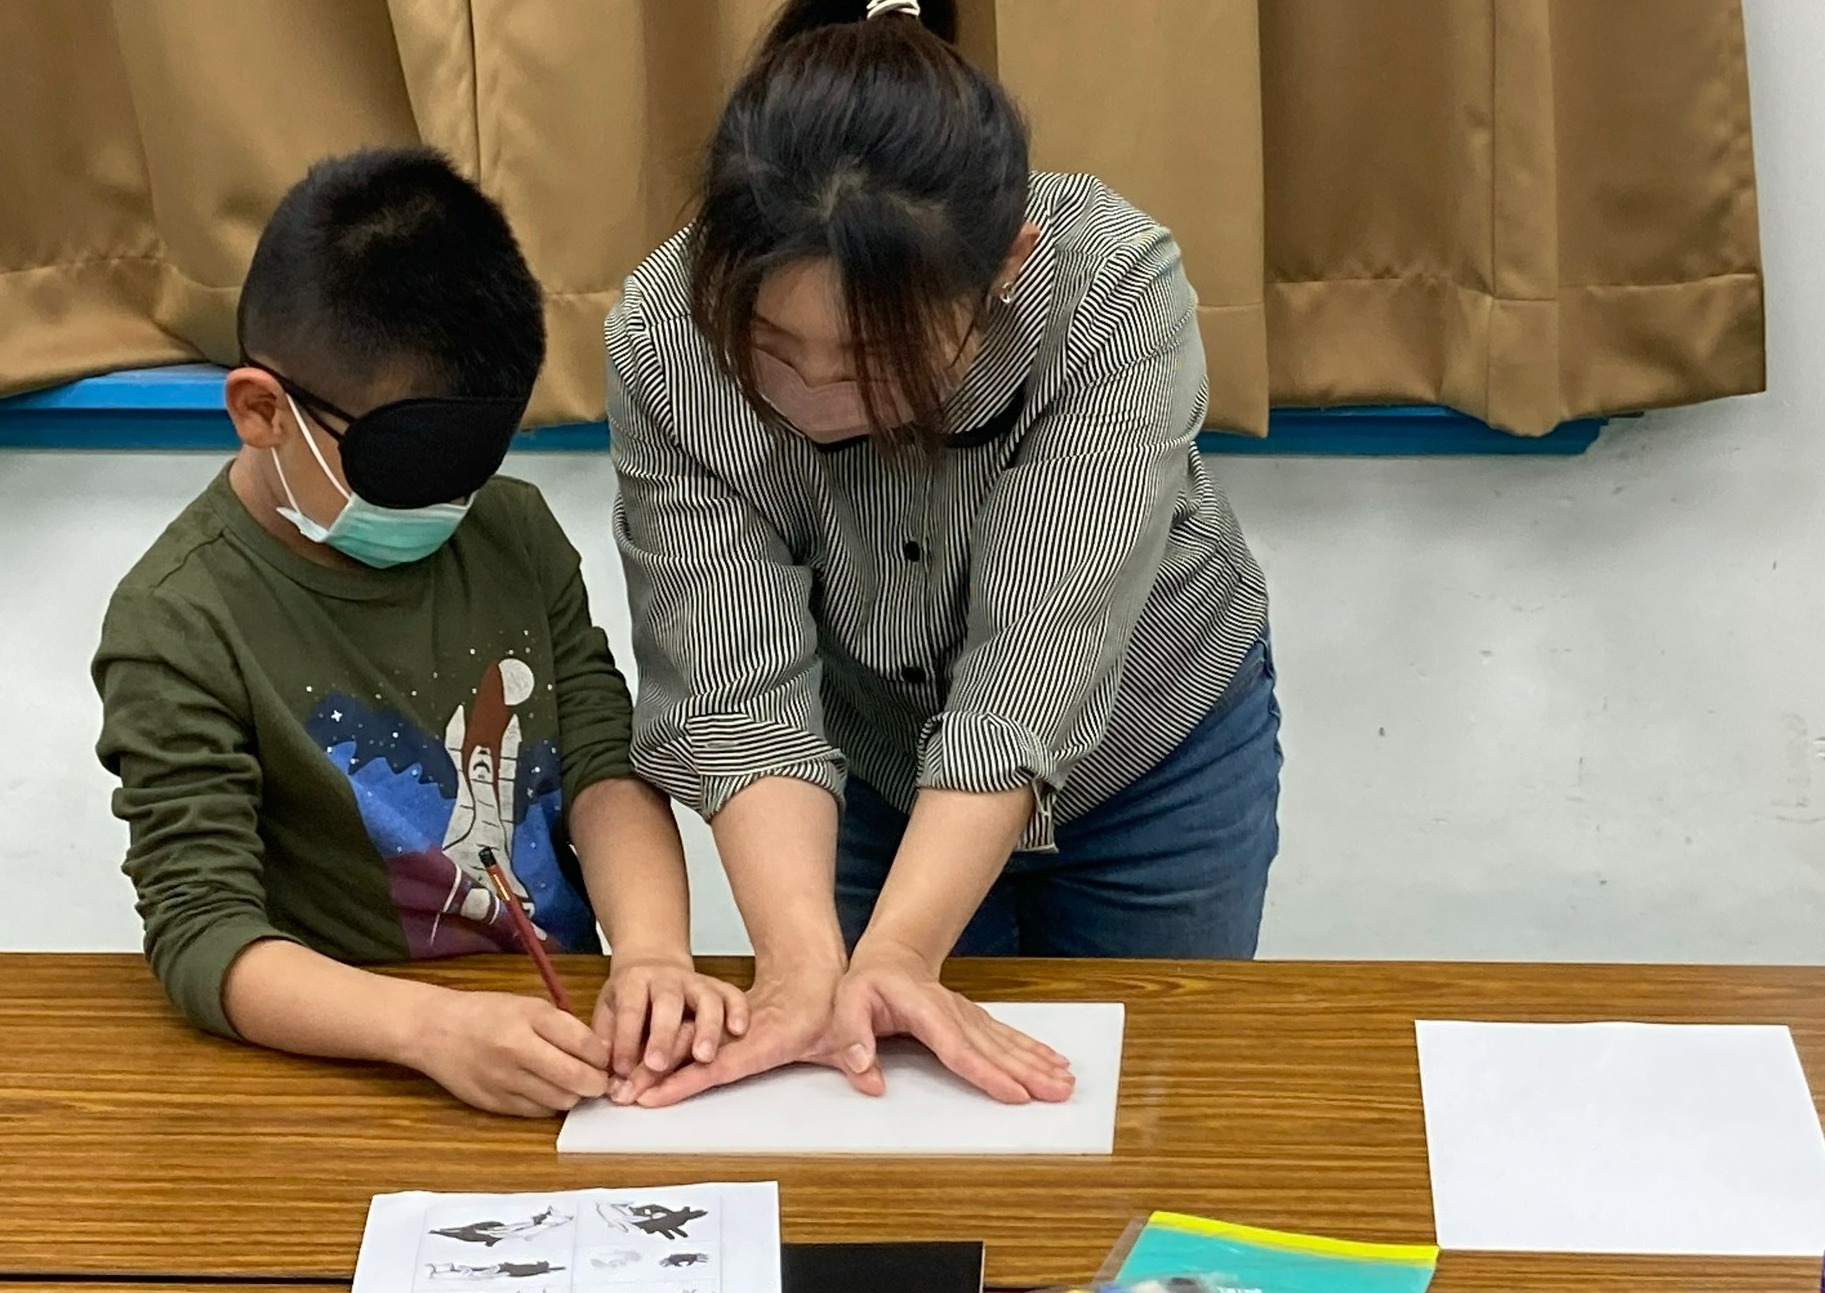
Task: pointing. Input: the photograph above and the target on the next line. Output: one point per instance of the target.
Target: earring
(1005, 293)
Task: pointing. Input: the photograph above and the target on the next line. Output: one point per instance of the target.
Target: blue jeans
(1173, 866)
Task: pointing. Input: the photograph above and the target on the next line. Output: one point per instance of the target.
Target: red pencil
(529, 937)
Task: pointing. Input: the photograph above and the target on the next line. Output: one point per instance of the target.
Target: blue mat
(181, 408)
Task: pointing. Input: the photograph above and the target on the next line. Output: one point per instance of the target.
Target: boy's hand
(509, 1054)
(656, 1011)
(790, 1012)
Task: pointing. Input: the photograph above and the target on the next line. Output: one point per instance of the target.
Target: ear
(257, 407)
(1018, 255)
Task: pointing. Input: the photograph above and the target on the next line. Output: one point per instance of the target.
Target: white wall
(1542, 709)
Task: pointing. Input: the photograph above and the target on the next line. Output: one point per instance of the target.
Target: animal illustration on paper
(677, 1260)
(651, 1218)
(492, 1271)
(490, 1233)
(619, 1259)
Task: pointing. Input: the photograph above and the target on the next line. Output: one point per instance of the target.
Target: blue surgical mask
(376, 536)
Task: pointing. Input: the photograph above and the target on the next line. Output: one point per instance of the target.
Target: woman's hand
(655, 1011)
(955, 844)
(891, 991)
(830, 1018)
(789, 1013)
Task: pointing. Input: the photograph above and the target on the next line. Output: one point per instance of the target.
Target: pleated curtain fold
(1529, 210)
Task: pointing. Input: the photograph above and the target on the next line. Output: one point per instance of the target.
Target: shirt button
(913, 675)
(913, 551)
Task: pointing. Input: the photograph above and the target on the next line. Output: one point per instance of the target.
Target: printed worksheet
(675, 1239)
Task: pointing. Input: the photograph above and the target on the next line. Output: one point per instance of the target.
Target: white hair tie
(878, 7)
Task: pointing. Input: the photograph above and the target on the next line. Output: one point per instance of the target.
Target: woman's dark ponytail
(873, 144)
(800, 16)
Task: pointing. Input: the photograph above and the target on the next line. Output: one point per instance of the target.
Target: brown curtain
(1527, 209)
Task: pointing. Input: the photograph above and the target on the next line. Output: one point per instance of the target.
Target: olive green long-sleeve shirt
(333, 755)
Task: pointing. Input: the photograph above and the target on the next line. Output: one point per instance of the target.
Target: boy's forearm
(633, 866)
(287, 997)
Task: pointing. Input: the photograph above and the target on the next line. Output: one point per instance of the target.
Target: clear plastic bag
(1207, 1283)
(1157, 1253)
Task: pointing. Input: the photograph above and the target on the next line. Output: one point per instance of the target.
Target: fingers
(516, 1106)
(707, 1018)
(742, 1058)
(852, 1041)
(570, 1035)
(628, 1090)
(1032, 1045)
(544, 1097)
(544, 1057)
(564, 1072)
(662, 1027)
(630, 1027)
(682, 1047)
(735, 1008)
(602, 1019)
(793, 1032)
(1031, 1048)
(963, 1057)
(852, 1031)
(643, 1019)
(1025, 1060)
(962, 1052)
(870, 1081)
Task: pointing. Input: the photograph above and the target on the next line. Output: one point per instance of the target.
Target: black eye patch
(416, 452)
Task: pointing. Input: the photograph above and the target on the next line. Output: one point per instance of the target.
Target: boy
(357, 670)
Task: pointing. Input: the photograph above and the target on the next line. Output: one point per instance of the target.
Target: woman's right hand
(508, 1054)
(892, 991)
(789, 1016)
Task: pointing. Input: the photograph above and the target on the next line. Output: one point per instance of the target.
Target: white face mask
(376, 536)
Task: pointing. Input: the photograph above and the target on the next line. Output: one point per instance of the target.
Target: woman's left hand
(893, 991)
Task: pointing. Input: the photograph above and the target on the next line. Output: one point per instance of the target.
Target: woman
(939, 620)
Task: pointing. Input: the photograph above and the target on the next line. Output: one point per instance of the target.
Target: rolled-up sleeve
(723, 633)
(1066, 550)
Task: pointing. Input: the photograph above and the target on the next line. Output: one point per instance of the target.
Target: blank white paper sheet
(1622, 1138)
(813, 1110)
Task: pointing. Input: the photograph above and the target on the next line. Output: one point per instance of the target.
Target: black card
(881, 1268)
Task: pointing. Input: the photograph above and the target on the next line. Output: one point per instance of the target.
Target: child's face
(384, 483)
(266, 419)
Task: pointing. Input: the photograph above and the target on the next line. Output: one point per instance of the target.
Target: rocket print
(436, 810)
(484, 747)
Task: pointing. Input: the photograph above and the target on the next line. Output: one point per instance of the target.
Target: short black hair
(387, 268)
(874, 144)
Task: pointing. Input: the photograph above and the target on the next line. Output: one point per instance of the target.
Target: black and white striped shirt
(1055, 602)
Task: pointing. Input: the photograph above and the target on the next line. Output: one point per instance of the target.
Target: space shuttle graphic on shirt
(496, 796)
(486, 755)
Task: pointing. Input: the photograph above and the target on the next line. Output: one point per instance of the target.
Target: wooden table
(1281, 1095)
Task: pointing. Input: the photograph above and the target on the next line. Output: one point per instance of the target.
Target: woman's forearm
(956, 845)
(777, 839)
